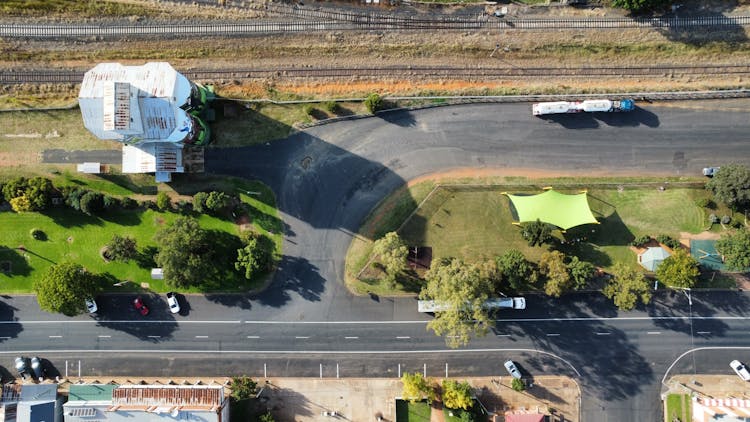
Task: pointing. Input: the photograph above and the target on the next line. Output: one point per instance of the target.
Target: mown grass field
(679, 406)
(476, 224)
(72, 235)
(412, 412)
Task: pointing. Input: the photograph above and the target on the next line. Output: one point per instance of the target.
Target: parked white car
(174, 306)
(91, 305)
(512, 369)
(710, 171)
(740, 369)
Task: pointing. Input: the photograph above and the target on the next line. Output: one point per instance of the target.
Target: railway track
(9, 77)
(347, 22)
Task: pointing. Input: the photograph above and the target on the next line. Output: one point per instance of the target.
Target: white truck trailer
(588, 106)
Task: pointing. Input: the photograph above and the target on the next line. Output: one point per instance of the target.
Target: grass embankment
(72, 8)
(72, 235)
(477, 224)
(678, 406)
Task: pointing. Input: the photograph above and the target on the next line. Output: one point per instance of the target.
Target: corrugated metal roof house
(30, 403)
(146, 403)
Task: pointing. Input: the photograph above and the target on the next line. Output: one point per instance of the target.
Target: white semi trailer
(588, 106)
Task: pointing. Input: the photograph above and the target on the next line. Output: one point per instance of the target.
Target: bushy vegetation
(373, 102)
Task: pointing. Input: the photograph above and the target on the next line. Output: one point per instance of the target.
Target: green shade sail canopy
(559, 209)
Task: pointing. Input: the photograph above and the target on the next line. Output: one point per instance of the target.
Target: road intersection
(328, 178)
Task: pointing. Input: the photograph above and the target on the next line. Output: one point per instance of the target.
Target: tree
(516, 270)
(463, 290)
(416, 387)
(641, 6)
(517, 384)
(536, 233)
(39, 191)
(552, 266)
(92, 203)
(373, 102)
(457, 395)
(255, 256)
(217, 201)
(735, 247)
(392, 254)
(243, 388)
(21, 204)
(199, 202)
(581, 272)
(731, 185)
(64, 287)
(267, 417)
(185, 252)
(15, 187)
(163, 201)
(627, 286)
(122, 248)
(678, 270)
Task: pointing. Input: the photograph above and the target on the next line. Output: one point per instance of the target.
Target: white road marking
(704, 332)
(402, 337)
(201, 336)
(552, 334)
(603, 334)
(5, 338)
(55, 336)
(105, 336)
(253, 336)
(351, 337)
(154, 336)
(503, 335)
(654, 332)
(302, 337)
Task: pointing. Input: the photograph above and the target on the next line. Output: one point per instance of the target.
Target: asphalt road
(328, 178)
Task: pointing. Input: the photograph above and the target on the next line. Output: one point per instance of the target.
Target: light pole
(687, 292)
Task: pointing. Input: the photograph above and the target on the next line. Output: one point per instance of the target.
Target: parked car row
(139, 305)
(35, 368)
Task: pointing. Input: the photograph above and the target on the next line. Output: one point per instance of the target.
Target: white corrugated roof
(135, 103)
(152, 157)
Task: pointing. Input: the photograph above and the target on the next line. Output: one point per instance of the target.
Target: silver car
(512, 369)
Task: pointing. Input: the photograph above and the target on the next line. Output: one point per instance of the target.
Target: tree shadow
(9, 330)
(68, 217)
(124, 182)
(145, 257)
(223, 275)
(295, 275)
(13, 263)
(121, 217)
(122, 316)
(402, 118)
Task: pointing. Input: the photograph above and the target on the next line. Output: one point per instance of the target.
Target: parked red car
(140, 306)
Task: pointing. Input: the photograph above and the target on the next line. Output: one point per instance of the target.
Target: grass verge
(679, 406)
(412, 412)
(475, 223)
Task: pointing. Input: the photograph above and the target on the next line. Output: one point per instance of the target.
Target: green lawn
(476, 223)
(72, 235)
(412, 412)
(679, 406)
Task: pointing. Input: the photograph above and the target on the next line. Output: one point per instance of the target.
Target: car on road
(174, 306)
(140, 306)
(740, 369)
(91, 305)
(512, 369)
(38, 368)
(710, 171)
(22, 367)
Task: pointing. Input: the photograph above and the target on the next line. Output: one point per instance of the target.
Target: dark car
(37, 366)
(140, 306)
(22, 367)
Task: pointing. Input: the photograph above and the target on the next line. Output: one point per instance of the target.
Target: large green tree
(243, 387)
(64, 287)
(185, 252)
(536, 232)
(255, 256)
(735, 247)
(457, 395)
(678, 270)
(580, 272)
(627, 286)
(35, 193)
(641, 6)
(462, 289)
(552, 266)
(122, 248)
(416, 387)
(515, 269)
(731, 185)
(392, 253)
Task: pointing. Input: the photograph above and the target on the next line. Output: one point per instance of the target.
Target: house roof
(164, 398)
(652, 257)
(91, 392)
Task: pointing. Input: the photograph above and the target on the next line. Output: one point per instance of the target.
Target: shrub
(199, 202)
(713, 219)
(725, 219)
(122, 248)
(73, 197)
(331, 106)
(640, 240)
(38, 234)
(184, 207)
(110, 202)
(129, 203)
(706, 203)
(21, 204)
(517, 384)
(163, 201)
(92, 203)
(373, 102)
(308, 109)
(668, 240)
(217, 201)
